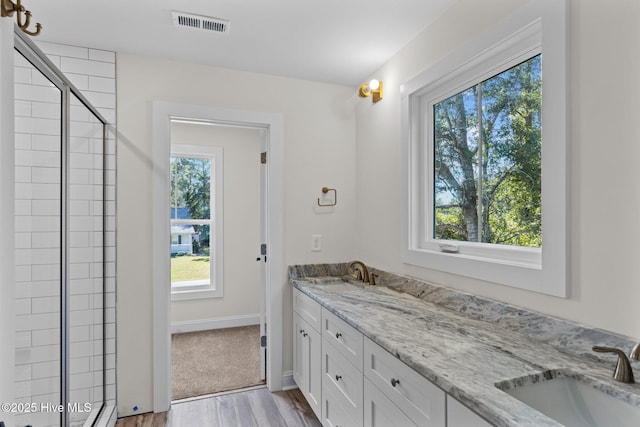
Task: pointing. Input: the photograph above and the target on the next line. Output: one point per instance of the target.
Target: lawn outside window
(485, 147)
(196, 222)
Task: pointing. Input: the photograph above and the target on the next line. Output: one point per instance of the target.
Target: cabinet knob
(338, 377)
(394, 382)
(302, 331)
(304, 334)
(338, 334)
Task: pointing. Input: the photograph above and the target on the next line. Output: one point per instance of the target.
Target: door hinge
(263, 249)
(263, 158)
(263, 341)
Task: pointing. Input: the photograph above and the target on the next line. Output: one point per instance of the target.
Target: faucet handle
(635, 353)
(372, 278)
(623, 372)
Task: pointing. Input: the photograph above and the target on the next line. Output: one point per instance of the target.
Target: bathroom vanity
(415, 354)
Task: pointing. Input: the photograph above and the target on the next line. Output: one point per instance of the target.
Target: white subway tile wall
(38, 218)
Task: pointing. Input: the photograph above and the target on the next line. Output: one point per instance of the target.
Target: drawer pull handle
(338, 377)
(338, 334)
(394, 382)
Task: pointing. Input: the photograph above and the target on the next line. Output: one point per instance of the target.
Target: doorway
(216, 232)
(271, 268)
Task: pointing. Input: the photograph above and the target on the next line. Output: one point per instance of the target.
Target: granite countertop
(464, 356)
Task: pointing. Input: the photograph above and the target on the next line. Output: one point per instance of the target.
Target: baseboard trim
(219, 323)
(287, 381)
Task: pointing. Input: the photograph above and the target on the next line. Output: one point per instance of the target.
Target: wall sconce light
(374, 88)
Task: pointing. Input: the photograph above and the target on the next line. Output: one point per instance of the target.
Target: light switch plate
(316, 242)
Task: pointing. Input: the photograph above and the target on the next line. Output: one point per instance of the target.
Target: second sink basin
(572, 402)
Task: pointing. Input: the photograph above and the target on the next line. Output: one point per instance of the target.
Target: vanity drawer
(334, 411)
(307, 308)
(417, 397)
(345, 338)
(379, 411)
(340, 376)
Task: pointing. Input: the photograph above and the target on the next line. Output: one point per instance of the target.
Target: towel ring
(325, 190)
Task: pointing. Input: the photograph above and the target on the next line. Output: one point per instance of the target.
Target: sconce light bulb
(374, 84)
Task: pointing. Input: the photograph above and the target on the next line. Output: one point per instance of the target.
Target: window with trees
(486, 160)
(485, 149)
(195, 196)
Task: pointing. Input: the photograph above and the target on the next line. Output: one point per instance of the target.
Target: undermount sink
(572, 402)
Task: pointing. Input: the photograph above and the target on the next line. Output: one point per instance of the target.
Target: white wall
(241, 152)
(604, 82)
(319, 150)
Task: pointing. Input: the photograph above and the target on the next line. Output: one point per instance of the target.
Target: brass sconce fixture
(8, 8)
(373, 88)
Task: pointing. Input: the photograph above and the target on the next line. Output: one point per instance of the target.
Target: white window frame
(537, 27)
(214, 288)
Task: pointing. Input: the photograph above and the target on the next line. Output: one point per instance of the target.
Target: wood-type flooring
(255, 407)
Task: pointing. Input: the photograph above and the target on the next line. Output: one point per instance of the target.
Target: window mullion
(480, 161)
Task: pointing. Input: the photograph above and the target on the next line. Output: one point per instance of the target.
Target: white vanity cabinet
(307, 349)
(459, 415)
(350, 381)
(422, 402)
(342, 379)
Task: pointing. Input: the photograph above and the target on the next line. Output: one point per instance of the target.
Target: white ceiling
(338, 41)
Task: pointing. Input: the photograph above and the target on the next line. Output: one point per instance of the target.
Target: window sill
(550, 280)
(185, 293)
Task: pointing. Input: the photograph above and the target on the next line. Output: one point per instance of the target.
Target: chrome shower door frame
(38, 59)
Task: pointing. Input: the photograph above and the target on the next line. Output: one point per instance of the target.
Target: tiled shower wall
(37, 239)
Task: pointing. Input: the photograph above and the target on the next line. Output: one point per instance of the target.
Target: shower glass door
(85, 260)
(38, 227)
(59, 225)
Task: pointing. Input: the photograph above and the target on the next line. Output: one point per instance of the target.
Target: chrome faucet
(362, 273)
(623, 372)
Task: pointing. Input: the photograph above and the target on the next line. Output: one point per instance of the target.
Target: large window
(484, 137)
(486, 160)
(195, 221)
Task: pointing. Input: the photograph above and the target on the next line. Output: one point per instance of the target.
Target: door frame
(7, 190)
(274, 278)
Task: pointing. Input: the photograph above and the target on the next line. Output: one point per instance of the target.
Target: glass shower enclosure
(60, 256)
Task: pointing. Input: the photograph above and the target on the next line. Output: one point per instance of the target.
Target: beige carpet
(212, 361)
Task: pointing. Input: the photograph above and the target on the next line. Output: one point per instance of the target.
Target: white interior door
(263, 255)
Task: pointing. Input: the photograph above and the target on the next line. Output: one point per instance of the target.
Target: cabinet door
(379, 411)
(313, 358)
(298, 344)
(459, 415)
(307, 369)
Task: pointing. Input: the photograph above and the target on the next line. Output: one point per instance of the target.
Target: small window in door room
(196, 221)
(190, 221)
(486, 148)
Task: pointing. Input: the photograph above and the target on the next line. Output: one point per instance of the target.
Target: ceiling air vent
(199, 22)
